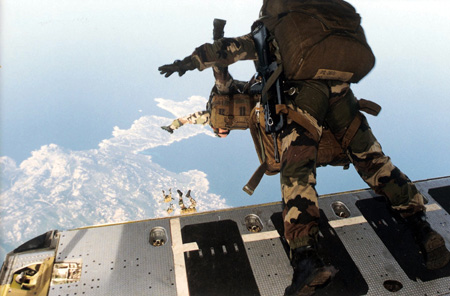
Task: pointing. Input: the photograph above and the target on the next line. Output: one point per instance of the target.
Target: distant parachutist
(192, 200)
(171, 208)
(168, 197)
(184, 209)
(224, 84)
(180, 201)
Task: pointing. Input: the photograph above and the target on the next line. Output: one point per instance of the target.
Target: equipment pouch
(232, 111)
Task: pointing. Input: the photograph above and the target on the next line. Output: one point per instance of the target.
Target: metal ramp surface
(240, 251)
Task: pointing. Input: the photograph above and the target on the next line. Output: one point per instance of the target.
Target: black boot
(167, 128)
(431, 243)
(310, 272)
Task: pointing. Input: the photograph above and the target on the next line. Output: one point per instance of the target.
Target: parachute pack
(318, 39)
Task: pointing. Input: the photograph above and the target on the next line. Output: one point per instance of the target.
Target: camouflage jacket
(224, 52)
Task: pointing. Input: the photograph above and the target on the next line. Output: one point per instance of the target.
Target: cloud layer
(57, 188)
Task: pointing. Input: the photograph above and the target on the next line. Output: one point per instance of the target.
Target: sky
(76, 74)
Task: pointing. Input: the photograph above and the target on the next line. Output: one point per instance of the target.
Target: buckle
(291, 91)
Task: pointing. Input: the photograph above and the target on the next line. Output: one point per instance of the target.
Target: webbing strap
(229, 119)
(255, 179)
(369, 107)
(299, 118)
(272, 80)
(351, 131)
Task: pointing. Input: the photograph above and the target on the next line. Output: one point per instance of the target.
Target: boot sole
(320, 278)
(436, 254)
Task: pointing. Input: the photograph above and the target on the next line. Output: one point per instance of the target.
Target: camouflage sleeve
(223, 79)
(199, 117)
(224, 52)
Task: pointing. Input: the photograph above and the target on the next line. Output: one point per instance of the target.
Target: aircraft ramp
(240, 251)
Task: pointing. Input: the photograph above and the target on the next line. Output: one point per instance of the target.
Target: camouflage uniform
(330, 103)
(199, 117)
(299, 152)
(223, 81)
(224, 52)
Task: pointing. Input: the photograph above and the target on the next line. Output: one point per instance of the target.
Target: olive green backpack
(318, 39)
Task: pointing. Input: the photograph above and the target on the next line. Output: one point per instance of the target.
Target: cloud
(57, 188)
(178, 109)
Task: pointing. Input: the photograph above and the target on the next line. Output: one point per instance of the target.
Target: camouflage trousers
(332, 103)
(199, 117)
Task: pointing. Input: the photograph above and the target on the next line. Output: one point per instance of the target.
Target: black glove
(218, 28)
(178, 66)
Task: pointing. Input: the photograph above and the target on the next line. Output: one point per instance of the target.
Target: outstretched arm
(221, 53)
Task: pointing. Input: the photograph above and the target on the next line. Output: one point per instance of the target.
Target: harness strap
(367, 106)
(351, 131)
(299, 118)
